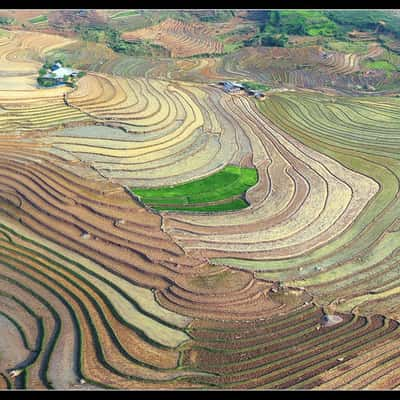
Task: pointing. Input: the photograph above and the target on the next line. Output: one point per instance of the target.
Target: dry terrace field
(182, 39)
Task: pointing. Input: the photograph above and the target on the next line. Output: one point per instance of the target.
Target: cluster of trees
(335, 23)
(92, 33)
(6, 20)
(275, 25)
(267, 40)
(299, 22)
(138, 48)
(270, 32)
(45, 82)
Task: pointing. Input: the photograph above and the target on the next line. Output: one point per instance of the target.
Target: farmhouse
(57, 74)
(60, 73)
(232, 87)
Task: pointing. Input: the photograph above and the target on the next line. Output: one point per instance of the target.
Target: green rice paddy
(38, 19)
(222, 191)
(122, 14)
(380, 64)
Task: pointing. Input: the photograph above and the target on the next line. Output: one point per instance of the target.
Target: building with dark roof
(232, 87)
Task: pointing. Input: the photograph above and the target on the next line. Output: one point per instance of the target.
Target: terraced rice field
(98, 57)
(109, 278)
(304, 67)
(23, 16)
(302, 200)
(294, 354)
(182, 39)
(360, 267)
(23, 106)
(84, 55)
(18, 49)
(78, 265)
(171, 132)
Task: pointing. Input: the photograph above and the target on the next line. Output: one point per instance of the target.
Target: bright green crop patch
(222, 191)
(38, 19)
(124, 14)
(231, 47)
(309, 22)
(255, 86)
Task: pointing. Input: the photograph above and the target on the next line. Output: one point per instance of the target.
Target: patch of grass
(211, 281)
(224, 188)
(122, 14)
(231, 47)
(309, 22)
(38, 19)
(380, 64)
(255, 86)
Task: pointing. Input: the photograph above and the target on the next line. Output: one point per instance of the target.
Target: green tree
(6, 21)
(45, 82)
(277, 40)
(275, 18)
(295, 27)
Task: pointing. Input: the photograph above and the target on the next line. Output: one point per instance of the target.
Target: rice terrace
(199, 199)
